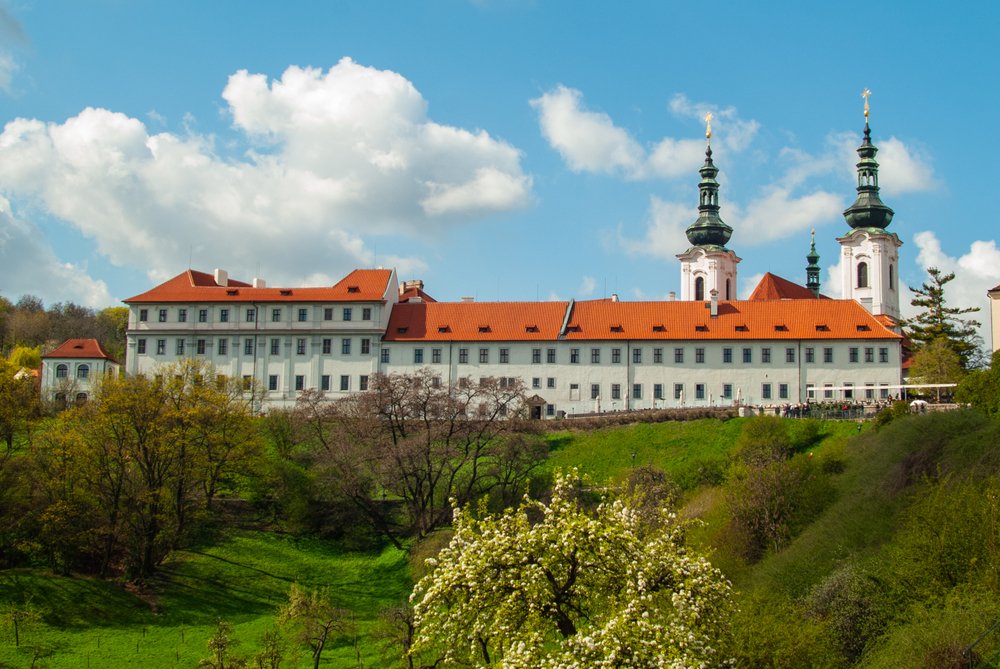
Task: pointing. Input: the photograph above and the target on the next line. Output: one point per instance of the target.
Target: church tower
(812, 269)
(708, 265)
(869, 256)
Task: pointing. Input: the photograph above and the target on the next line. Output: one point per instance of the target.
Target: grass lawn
(241, 579)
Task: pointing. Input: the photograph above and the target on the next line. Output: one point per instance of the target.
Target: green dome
(868, 211)
(709, 229)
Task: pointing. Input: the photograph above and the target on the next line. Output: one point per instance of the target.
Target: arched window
(892, 278)
(728, 295)
(862, 275)
(83, 372)
(81, 398)
(699, 288)
(62, 371)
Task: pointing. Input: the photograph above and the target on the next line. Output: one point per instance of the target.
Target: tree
(18, 405)
(939, 321)
(313, 619)
(981, 387)
(26, 357)
(220, 645)
(561, 585)
(936, 362)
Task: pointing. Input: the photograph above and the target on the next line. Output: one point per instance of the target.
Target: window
(418, 356)
(504, 356)
(182, 315)
(727, 391)
(327, 313)
(616, 356)
(790, 354)
(869, 354)
(637, 391)
(140, 348)
(161, 346)
(203, 315)
(300, 346)
(679, 356)
(363, 382)
(852, 354)
(848, 391)
(345, 346)
(247, 381)
(463, 356)
(658, 355)
(657, 391)
(550, 356)
(180, 347)
(272, 382)
(595, 391)
(484, 356)
(83, 371)
(550, 409)
(275, 346)
(699, 288)
(536, 382)
(436, 356)
(536, 356)
(143, 315)
(251, 315)
(300, 382)
(327, 346)
(699, 356)
(550, 382)
(828, 354)
(637, 356)
(275, 315)
(747, 355)
(223, 348)
(595, 356)
(810, 354)
(765, 355)
(248, 346)
(303, 315)
(810, 391)
(869, 391)
(223, 315)
(892, 278)
(63, 370)
(678, 391)
(345, 382)
(347, 313)
(324, 382)
(862, 275)
(366, 314)
(366, 346)
(699, 391)
(163, 316)
(616, 391)
(883, 391)
(199, 347)
(384, 355)
(828, 391)
(765, 391)
(727, 355)
(883, 354)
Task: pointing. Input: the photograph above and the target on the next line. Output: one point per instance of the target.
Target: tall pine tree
(939, 321)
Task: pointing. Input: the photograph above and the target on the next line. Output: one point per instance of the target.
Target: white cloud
(777, 214)
(665, 226)
(8, 66)
(587, 286)
(976, 271)
(590, 141)
(30, 267)
(748, 283)
(339, 156)
(903, 168)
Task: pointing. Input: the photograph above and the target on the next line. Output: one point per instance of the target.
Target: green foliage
(26, 357)
(574, 587)
(981, 388)
(939, 321)
(770, 632)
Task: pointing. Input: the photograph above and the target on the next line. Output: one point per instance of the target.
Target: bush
(770, 631)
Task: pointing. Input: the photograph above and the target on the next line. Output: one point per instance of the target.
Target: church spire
(812, 269)
(709, 229)
(868, 211)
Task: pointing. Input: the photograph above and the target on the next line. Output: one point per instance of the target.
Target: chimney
(614, 297)
(468, 299)
(414, 284)
(671, 296)
(259, 283)
(221, 277)
(714, 303)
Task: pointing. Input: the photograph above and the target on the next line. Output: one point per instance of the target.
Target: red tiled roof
(773, 287)
(994, 290)
(410, 293)
(361, 285)
(476, 321)
(79, 348)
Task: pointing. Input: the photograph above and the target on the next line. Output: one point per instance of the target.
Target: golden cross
(708, 125)
(866, 94)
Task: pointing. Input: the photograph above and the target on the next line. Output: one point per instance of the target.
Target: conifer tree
(939, 321)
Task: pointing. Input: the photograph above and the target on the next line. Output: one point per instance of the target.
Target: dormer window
(531, 328)
(659, 328)
(232, 291)
(484, 328)
(863, 328)
(822, 328)
(353, 289)
(286, 291)
(617, 328)
(402, 330)
(781, 328)
(701, 328)
(444, 328)
(743, 328)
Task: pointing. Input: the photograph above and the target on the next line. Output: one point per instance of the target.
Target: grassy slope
(241, 579)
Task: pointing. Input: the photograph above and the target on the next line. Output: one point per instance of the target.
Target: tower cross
(866, 94)
(708, 125)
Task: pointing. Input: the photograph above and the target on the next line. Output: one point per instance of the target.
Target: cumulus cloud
(587, 286)
(335, 157)
(904, 168)
(665, 226)
(590, 141)
(777, 214)
(30, 267)
(11, 35)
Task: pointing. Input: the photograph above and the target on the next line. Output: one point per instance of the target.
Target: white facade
(869, 270)
(704, 269)
(994, 296)
(70, 376)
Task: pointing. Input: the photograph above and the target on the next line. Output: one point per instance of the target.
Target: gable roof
(361, 285)
(773, 287)
(994, 290)
(475, 321)
(80, 348)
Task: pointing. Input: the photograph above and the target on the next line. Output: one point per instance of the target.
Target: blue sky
(504, 150)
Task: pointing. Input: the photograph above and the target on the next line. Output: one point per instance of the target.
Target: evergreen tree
(939, 321)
